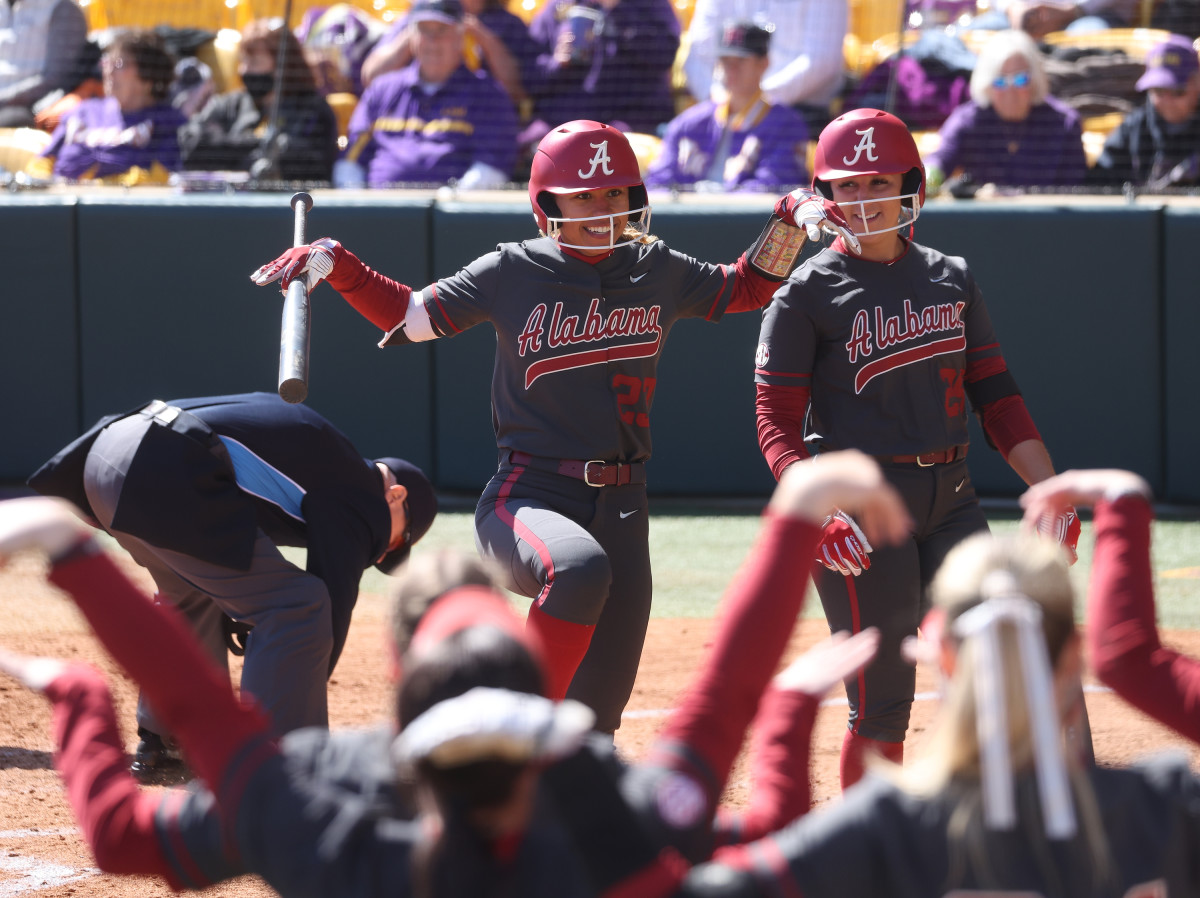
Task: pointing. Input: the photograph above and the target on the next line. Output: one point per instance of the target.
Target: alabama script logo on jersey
(883, 343)
(565, 332)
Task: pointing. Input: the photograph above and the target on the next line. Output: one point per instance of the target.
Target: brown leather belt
(954, 453)
(593, 473)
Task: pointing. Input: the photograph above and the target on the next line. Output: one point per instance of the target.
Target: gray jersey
(885, 348)
(577, 344)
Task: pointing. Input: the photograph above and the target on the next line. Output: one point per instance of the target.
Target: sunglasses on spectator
(112, 63)
(1017, 79)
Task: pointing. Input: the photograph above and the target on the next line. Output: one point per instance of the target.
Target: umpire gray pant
(287, 656)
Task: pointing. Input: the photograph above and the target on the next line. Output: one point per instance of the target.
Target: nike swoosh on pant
(960, 485)
(626, 514)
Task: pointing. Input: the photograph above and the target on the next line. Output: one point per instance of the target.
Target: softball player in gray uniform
(881, 350)
(581, 315)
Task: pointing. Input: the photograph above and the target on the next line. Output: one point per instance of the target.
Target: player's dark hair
(145, 50)
(455, 862)
(475, 656)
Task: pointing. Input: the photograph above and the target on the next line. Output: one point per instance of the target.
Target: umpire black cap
(422, 509)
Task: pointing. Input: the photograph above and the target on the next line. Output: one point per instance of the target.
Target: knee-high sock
(566, 644)
(853, 749)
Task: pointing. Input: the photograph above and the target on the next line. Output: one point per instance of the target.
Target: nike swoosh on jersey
(633, 279)
(938, 280)
(626, 514)
(960, 485)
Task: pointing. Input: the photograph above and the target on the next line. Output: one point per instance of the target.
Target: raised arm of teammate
(1122, 636)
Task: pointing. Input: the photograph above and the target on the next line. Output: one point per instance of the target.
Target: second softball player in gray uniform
(880, 349)
(581, 316)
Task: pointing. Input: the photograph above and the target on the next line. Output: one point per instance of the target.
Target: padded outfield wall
(115, 298)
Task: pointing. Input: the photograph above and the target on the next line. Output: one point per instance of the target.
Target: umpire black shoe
(156, 760)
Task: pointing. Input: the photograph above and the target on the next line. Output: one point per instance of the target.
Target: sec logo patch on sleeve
(680, 801)
(762, 356)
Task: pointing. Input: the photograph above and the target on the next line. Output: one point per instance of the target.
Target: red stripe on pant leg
(855, 627)
(524, 533)
(565, 642)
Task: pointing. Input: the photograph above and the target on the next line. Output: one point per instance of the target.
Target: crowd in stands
(1016, 95)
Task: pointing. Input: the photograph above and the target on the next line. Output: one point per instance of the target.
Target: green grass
(696, 555)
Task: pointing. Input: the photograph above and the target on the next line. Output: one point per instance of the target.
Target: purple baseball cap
(1169, 64)
(448, 11)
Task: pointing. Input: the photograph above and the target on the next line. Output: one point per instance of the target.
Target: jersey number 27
(634, 395)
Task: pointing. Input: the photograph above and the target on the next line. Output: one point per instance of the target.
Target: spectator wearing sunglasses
(1011, 133)
(1157, 146)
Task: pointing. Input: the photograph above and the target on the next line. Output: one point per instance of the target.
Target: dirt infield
(42, 854)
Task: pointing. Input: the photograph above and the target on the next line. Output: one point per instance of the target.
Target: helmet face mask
(867, 142)
(587, 157)
(637, 226)
(856, 211)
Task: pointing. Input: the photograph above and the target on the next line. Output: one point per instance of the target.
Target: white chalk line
(831, 703)
(32, 833)
(33, 875)
(30, 874)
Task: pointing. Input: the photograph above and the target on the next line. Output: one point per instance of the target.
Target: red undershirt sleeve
(1007, 422)
(780, 415)
(378, 298)
(750, 289)
(1122, 636)
(757, 615)
(155, 647)
(779, 758)
(115, 816)
(1002, 411)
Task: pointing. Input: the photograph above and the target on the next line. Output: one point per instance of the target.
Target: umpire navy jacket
(181, 494)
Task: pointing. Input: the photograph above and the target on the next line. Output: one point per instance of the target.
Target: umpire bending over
(201, 492)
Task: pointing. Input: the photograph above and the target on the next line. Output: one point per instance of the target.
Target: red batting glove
(316, 261)
(802, 208)
(843, 547)
(1064, 528)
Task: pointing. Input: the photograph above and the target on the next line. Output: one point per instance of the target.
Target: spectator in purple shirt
(605, 60)
(742, 144)
(1011, 133)
(434, 120)
(501, 40)
(129, 135)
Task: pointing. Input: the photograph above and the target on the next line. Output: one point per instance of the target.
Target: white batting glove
(843, 547)
(315, 261)
(39, 522)
(803, 208)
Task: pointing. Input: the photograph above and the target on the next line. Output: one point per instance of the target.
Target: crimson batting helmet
(585, 156)
(871, 142)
